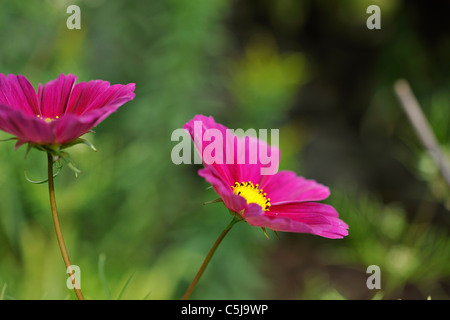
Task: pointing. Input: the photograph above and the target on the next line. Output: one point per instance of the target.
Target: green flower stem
(209, 256)
(59, 236)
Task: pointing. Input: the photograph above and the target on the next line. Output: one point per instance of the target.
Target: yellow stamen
(48, 120)
(252, 194)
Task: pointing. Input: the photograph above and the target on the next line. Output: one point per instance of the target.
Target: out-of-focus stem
(421, 126)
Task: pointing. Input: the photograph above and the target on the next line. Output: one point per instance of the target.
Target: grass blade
(101, 271)
(125, 286)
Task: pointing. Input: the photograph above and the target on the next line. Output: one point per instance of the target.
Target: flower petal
(286, 186)
(69, 127)
(96, 94)
(17, 93)
(232, 201)
(305, 217)
(114, 95)
(196, 128)
(25, 127)
(239, 159)
(55, 94)
(251, 162)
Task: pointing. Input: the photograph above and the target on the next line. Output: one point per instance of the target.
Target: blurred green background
(134, 222)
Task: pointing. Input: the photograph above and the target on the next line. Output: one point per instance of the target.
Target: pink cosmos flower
(60, 112)
(281, 202)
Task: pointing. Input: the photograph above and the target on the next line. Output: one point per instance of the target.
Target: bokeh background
(134, 221)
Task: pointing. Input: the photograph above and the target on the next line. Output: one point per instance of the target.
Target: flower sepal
(237, 216)
(213, 201)
(267, 236)
(57, 153)
(9, 139)
(78, 141)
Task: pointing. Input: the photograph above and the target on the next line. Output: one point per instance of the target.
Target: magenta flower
(55, 118)
(60, 112)
(281, 202)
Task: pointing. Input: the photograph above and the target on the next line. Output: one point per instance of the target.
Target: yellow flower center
(252, 194)
(48, 120)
